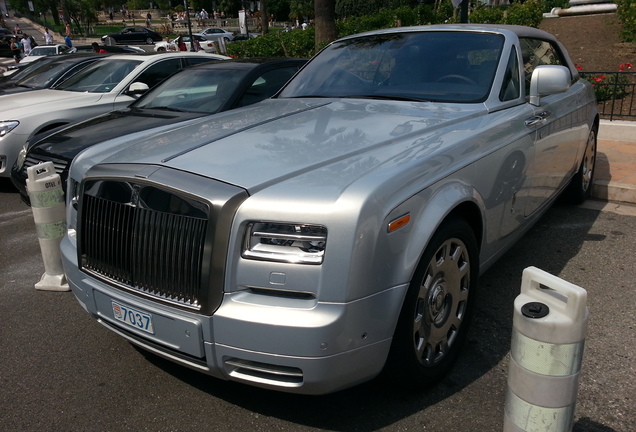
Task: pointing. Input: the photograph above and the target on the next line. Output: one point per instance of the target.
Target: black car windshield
(48, 73)
(199, 90)
(100, 77)
(442, 66)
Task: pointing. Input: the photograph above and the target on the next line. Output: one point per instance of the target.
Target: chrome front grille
(155, 253)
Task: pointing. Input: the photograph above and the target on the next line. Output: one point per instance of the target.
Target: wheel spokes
(442, 302)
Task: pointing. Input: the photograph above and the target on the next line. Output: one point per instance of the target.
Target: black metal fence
(615, 93)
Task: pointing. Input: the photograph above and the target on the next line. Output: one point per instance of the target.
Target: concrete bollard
(44, 187)
(548, 335)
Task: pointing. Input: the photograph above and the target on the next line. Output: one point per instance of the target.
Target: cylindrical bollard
(47, 203)
(548, 335)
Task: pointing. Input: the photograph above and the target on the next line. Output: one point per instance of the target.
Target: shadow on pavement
(374, 405)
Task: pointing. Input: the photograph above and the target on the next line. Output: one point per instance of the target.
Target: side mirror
(547, 80)
(137, 88)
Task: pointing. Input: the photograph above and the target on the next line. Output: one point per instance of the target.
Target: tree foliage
(627, 14)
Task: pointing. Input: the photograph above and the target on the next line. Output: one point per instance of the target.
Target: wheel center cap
(437, 300)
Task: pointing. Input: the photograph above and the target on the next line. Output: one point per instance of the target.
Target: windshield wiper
(166, 108)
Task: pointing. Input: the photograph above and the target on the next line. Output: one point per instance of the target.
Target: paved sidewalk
(615, 177)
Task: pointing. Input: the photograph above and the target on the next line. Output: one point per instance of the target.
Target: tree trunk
(264, 17)
(326, 30)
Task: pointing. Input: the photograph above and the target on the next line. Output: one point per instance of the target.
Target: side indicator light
(399, 222)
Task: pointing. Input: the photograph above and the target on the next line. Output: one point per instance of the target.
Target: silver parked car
(215, 34)
(313, 241)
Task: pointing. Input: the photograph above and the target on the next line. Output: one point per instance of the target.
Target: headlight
(285, 242)
(7, 126)
(72, 198)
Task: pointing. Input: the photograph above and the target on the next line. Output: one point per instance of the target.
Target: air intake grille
(153, 252)
(31, 160)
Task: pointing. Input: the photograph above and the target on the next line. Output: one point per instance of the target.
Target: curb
(617, 130)
(625, 133)
(614, 192)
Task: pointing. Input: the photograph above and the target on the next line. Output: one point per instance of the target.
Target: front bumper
(316, 350)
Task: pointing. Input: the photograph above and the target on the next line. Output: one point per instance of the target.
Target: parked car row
(46, 72)
(139, 34)
(107, 84)
(326, 235)
(192, 93)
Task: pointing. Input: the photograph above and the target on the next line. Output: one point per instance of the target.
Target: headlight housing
(285, 242)
(7, 126)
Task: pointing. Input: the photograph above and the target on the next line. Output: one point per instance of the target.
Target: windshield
(100, 77)
(43, 51)
(47, 74)
(194, 90)
(441, 66)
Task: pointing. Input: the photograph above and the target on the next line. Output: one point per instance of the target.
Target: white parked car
(110, 83)
(337, 231)
(47, 50)
(205, 44)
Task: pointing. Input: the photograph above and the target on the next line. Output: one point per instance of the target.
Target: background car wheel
(434, 319)
(580, 187)
(161, 49)
(149, 41)
(226, 39)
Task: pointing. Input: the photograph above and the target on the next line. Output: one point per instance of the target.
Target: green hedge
(300, 43)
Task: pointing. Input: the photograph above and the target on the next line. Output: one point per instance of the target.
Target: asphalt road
(62, 371)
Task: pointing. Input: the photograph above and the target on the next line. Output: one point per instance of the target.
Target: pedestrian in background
(16, 49)
(97, 49)
(48, 36)
(26, 44)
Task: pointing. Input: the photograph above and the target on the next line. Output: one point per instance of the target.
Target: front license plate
(133, 317)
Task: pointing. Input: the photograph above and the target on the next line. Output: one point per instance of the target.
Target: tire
(161, 49)
(436, 312)
(149, 41)
(580, 187)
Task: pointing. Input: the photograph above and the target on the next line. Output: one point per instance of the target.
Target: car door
(127, 35)
(555, 122)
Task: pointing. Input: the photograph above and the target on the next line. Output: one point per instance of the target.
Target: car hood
(68, 142)
(24, 103)
(277, 140)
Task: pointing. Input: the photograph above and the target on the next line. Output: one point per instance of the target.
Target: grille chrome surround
(185, 222)
(155, 253)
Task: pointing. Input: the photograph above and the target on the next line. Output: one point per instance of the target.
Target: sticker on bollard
(548, 336)
(49, 214)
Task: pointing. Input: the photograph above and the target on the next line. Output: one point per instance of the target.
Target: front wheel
(580, 187)
(434, 319)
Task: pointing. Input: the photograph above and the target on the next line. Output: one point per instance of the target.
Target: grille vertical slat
(154, 252)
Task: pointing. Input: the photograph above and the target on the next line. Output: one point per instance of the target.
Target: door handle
(538, 118)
